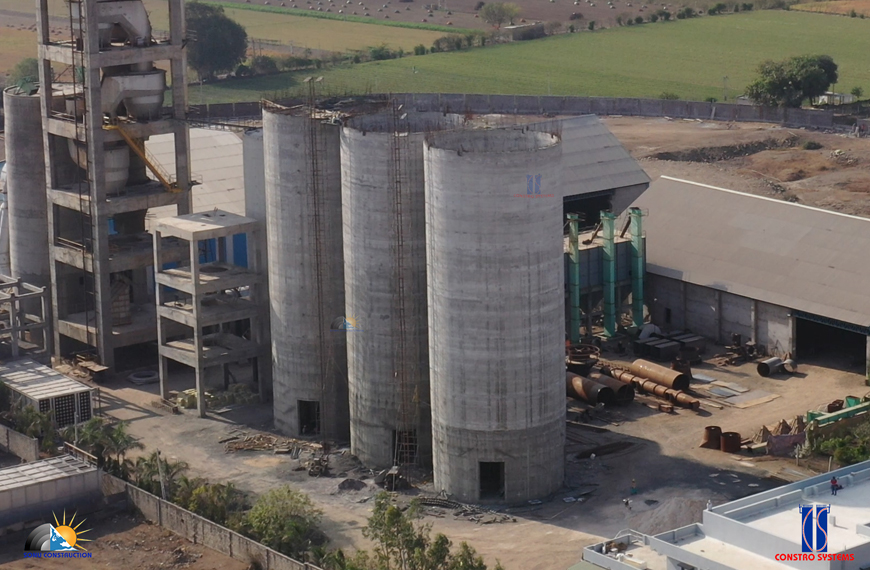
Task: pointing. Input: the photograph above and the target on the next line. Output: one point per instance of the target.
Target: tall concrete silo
(306, 273)
(26, 196)
(496, 313)
(385, 283)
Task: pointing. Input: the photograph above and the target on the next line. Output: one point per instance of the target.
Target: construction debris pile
(236, 394)
(472, 513)
(265, 442)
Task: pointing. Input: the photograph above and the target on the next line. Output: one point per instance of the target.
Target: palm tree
(148, 471)
(119, 442)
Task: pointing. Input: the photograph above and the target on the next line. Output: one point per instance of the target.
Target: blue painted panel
(208, 250)
(240, 250)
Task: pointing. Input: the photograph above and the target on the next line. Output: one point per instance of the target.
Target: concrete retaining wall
(736, 317)
(702, 316)
(11, 441)
(775, 329)
(548, 105)
(202, 531)
(716, 314)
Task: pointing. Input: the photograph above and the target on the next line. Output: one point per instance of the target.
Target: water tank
(306, 274)
(496, 313)
(388, 364)
(26, 192)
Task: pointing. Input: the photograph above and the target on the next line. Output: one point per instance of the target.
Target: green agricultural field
(330, 35)
(689, 57)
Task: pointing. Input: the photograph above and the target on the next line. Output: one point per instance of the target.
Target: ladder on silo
(314, 148)
(86, 216)
(405, 443)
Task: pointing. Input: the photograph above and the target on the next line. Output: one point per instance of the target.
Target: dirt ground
(834, 177)
(123, 541)
(674, 477)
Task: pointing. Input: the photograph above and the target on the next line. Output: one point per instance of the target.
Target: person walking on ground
(834, 486)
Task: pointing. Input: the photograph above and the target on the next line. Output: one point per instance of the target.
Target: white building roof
(752, 532)
(790, 255)
(38, 382)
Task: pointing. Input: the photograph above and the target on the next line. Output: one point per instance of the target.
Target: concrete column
(753, 316)
(683, 316)
(178, 71)
(97, 182)
(792, 336)
(161, 336)
(718, 316)
(867, 368)
(197, 329)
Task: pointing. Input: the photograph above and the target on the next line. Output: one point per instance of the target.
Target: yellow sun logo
(69, 532)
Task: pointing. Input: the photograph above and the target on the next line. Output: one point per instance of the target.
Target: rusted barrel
(659, 374)
(624, 391)
(712, 437)
(582, 388)
(730, 442)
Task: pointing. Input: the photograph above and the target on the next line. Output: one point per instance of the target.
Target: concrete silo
(496, 313)
(26, 195)
(385, 283)
(306, 273)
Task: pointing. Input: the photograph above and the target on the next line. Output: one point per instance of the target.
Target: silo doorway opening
(309, 417)
(491, 480)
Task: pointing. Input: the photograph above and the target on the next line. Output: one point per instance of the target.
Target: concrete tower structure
(496, 313)
(306, 273)
(25, 181)
(100, 252)
(383, 203)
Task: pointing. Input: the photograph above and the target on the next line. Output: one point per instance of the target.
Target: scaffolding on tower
(405, 444)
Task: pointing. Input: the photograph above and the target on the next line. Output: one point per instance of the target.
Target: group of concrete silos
(482, 293)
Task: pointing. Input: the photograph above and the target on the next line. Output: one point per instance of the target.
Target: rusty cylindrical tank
(582, 388)
(659, 374)
(730, 442)
(712, 437)
(624, 392)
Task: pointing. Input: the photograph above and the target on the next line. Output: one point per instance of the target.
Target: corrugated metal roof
(40, 471)
(593, 159)
(786, 254)
(216, 156)
(36, 381)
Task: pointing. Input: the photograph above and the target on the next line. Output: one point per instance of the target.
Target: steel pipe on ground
(659, 374)
(774, 366)
(624, 391)
(581, 388)
(651, 387)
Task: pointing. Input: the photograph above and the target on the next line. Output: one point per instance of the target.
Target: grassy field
(843, 7)
(690, 58)
(14, 47)
(331, 35)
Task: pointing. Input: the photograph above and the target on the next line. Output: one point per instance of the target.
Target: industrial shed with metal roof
(789, 277)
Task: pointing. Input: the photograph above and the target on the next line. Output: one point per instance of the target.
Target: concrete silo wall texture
(496, 313)
(306, 274)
